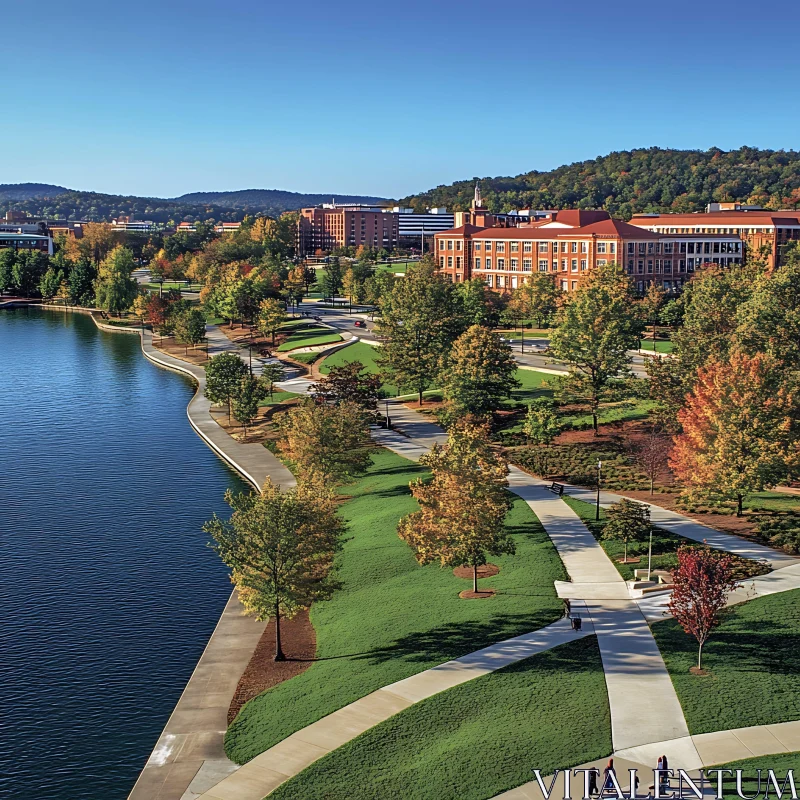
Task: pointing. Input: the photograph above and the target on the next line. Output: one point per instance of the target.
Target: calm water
(108, 590)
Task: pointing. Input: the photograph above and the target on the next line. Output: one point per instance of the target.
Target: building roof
(725, 219)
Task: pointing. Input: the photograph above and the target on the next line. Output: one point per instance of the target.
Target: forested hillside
(25, 191)
(271, 201)
(635, 181)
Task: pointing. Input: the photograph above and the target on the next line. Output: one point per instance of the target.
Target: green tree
(279, 547)
(271, 374)
(190, 327)
(543, 296)
(115, 289)
(331, 283)
(27, 270)
(651, 304)
(595, 329)
(481, 306)
(628, 521)
(541, 423)
(421, 317)
(81, 282)
(271, 316)
(8, 258)
(50, 283)
(224, 374)
(478, 373)
(350, 383)
(249, 394)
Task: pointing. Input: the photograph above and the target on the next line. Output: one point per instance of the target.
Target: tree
(463, 507)
(671, 380)
(295, 285)
(223, 376)
(595, 330)
(350, 383)
(270, 375)
(478, 373)
(8, 258)
(651, 304)
(81, 282)
(331, 283)
(115, 289)
(329, 443)
(271, 316)
(541, 423)
(420, 318)
(190, 327)
(27, 271)
(671, 313)
(245, 402)
(157, 308)
(703, 580)
(741, 427)
(652, 452)
(543, 296)
(50, 282)
(769, 320)
(279, 547)
(481, 306)
(628, 521)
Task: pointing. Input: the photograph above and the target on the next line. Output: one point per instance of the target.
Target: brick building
(755, 228)
(320, 230)
(569, 243)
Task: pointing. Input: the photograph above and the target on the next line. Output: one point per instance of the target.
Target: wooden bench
(556, 488)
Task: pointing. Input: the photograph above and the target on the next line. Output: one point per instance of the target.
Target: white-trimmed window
(500, 247)
(477, 247)
(515, 247)
(601, 247)
(583, 265)
(527, 264)
(477, 263)
(612, 247)
(527, 247)
(488, 263)
(449, 261)
(514, 264)
(584, 247)
(458, 245)
(544, 247)
(441, 244)
(601, 262)
(573, 247)
(501, 263)
(574, 265)
(488, 246)
(543, 264)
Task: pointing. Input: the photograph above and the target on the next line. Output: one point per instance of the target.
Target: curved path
(189, 754)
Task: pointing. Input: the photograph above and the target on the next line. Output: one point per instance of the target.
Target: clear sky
(385, 98)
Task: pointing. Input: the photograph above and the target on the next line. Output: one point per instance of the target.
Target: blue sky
(162, 98)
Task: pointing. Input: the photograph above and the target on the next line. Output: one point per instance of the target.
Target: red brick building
(571, 242)
(320, 230)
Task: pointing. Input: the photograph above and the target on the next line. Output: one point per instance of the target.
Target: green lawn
(277, 397)
(305, 358)
(611, 412)
(662, 346)
(549, 711)
(665, 545)
(752, 658)
(533, 386)
(307, 335)
(193, 287)
(772, 501)
(393, 618)
(358, 351)
(780, 763)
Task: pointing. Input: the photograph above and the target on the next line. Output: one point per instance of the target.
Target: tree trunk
(700, 656)
(625, 553)
(652, 485)
(594, 422)
(420, 397)
(475, 578)
(230, 411)
(279, 656)
(739, 499)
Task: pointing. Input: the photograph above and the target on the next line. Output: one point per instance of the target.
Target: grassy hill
(635, 181)
(265, 200)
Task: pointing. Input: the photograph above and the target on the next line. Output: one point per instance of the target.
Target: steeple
(476, 201)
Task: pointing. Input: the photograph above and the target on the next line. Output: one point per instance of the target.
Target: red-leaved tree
(703, 580)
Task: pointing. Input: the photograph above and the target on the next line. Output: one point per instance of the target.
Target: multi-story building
(570, 243)
(414, 228)
(320, 230)
(125, 223)
(754, 228)
(17, 240)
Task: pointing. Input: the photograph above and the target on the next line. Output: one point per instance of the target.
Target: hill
(270, 201)
(636, 181)
(56, 202)
(25, 191)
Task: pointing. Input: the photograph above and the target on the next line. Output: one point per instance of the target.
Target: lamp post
(388, 421)
(650, 555)
(250, 349)
(597, 506)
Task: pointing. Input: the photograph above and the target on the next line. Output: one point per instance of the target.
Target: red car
(359, 323)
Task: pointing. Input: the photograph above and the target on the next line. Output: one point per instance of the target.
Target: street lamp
(388, 421)
(597, 507)
(650, 555)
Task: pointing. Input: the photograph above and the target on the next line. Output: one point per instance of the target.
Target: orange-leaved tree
(463, 508)
(741, 428)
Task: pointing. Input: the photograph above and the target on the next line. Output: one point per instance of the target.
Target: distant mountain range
(58, 202)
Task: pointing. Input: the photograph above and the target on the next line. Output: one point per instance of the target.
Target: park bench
(556, 488)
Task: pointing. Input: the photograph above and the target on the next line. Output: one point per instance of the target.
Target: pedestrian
(608, 780)
(663, 778)
(593, 783)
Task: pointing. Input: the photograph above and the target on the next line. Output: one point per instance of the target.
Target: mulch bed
(481, 594)
(300, 646)
(485, 571)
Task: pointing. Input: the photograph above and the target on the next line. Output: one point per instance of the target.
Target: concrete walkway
(286, 759)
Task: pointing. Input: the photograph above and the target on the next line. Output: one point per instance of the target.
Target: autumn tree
(244, 404)
(702, 582)
(326, 442)
(280, 548)
(224, 374)
(478, 372)
(671, 379)
(651, 453)
(271, 316)
(543, 295)
(350, 383)
(421, 317)
(651, 305)
(115, 289)
(628, 521)
(190, 327)
(463, 506)
(295, 285)
(480, 305)
(595, 329)
(741, 427)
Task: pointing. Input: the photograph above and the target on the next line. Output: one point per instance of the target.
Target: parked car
(359, 323)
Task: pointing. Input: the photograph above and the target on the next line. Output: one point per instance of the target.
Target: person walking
(593, 783)
(608, 780)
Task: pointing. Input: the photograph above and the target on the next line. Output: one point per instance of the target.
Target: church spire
(476, 202)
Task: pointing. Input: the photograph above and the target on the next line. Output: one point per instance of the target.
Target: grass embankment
(665, 545)
(477, 739)
(752, 661)
(393, 618)
(278, 396)
(307, 335)
(154, 286)
(780, 763)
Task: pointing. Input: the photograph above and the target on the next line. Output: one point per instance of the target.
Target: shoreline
(188, 758)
